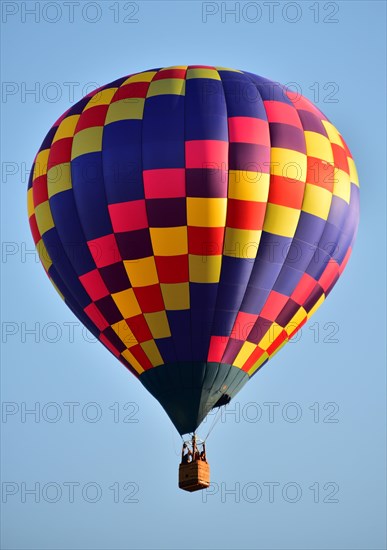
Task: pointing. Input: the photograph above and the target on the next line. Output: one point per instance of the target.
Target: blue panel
(70, 231)
(90, 195)
(242, 95)
(205, 111)
(122, 168)
(64, 268)
(163, 132)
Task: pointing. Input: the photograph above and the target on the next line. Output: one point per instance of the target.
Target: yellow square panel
(66, 128)
(342, 185)
(273, 333)
(204, 269)
(158, 324)
(203, 73)
(125, 109)
(132, 360)
(103, 97)
(318, 146)
(297, 318)
(40, 167)
(146, 76)
(317, 201)
(248, 186)
(127, 303)
(30, 202)
(175, 295)
(256, 365)
(152, 352)
(287, 163)
(141, 272)
(333, 134)
(281, 220)
(44, 217)
(124, 333)
(59, 179)
(241, 243)
(353, 176)
(87, 141)
(174, 86)
(43, 255)
(316, 306)
(244, 353)
(169, 241)
(206, 212)
(173, 67)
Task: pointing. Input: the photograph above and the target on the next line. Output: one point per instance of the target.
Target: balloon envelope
(193, 218)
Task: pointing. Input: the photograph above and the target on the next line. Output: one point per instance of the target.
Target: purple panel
(261, 326)
(206, 182)
(109, 310)
(311, 123)
(248, 156)
(232, 350)
(315, 295)
(134, 244)
(287, 313)
(166, 212)
(114, 339)
(115, 277)
(287, 136)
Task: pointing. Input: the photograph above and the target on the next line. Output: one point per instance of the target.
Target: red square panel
(286, 192)
(104, 250)
(253, 359)
(141, 357)
(60, 152)
(245, 214)
(218, 345)
(94, 285)
(40, 192)
(149, 298)
(243, 129)
(172, 269)
(139, 327)
(277, 342)
(164, 183)
(205, 152)
(243, 324)
(130, 91)
(205, 241)
(303, 289)
(128, 216)
(96, 316)
(170, 73)
(321, 173)
(274, 304)
(95, 116)
(278, 111)
(340, 157)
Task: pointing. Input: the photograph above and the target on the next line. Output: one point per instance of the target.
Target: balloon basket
(194, 476)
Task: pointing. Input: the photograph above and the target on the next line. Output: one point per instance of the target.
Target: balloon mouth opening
(188, 391)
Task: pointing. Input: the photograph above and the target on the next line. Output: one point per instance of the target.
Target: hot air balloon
(193, 218)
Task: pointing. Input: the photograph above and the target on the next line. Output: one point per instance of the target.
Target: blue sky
(298, 461)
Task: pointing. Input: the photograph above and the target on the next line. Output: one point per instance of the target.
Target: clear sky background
(317, 482)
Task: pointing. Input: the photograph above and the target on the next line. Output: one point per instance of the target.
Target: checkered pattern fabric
(193, 213)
